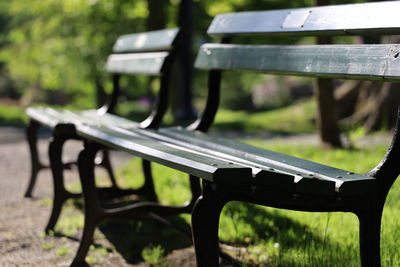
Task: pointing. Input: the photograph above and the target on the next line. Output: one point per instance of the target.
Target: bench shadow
(287, 233)
(130, 236)
(270, 223)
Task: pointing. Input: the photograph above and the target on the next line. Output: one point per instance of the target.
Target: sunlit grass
(12, 114)
(273, 237)
(264, 236)
(297, 118)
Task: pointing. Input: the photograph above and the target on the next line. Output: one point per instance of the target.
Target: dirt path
(22, 220)
(22, 242)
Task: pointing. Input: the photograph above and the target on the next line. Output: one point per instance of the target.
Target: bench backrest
(142, 53)
(369, 62)
(149, 53)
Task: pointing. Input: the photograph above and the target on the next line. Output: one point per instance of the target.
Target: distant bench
(149, 53)
(230, 170)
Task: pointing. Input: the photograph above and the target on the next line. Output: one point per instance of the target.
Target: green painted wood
(369, 62)
(48, 117)
(167, 154)
(276, 169)
(161, 40)
(140, 63)
(51, 117)
(106, 118)
(371, 18)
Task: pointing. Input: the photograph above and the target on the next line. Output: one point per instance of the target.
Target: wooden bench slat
(161, 40)
(371, 62)
(51, 117)
(263, 174)
(170, 155)
(371, 18)
(305, 174)
(108, 118)
(141, 63)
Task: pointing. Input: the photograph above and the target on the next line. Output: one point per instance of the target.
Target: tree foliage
(61, 46)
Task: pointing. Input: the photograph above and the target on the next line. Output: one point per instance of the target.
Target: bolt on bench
(150, 53)
(230, 170)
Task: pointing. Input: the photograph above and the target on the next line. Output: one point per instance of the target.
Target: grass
(12, 115)
(153, 254)
(257, 236)
(63, 250)
(292, 119)
(273, 237)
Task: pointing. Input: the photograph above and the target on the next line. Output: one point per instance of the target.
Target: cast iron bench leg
(205, 221)
(36, 165)
(148, 187)
(86, 167)
(106, 163)
(370, 232)
(60, 194)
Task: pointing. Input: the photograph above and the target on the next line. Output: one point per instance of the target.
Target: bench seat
(148, 144)
(275, 169)
(232, 162)
(51, 117)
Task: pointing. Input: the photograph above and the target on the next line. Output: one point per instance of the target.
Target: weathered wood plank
(107, 118)
(48, 117)
(51, 117)
(275, 168)
(371, 18)
(167, 154)
(370, 62)
(140, 63)
(161, 40)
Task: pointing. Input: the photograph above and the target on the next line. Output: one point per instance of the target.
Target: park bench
(149, 53)
(230, 170)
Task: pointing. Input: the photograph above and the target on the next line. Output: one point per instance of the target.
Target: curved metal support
(195, 188)
(206, 119)
(147, 189)
(388, 169)
(161, 104)
(214, 87)
(113, 98)
(36, 166)
(106, 163)
(86, 167)
(205, 222)
(60, 193)
(370, 235)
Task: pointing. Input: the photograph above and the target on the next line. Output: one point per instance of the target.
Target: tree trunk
(326, 114)
(157, 18)
(371, 104)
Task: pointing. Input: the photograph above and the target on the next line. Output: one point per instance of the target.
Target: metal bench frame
(231, 170)
(338, 20)
(164, 45)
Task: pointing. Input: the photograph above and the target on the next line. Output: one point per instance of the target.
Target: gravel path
(22, 220)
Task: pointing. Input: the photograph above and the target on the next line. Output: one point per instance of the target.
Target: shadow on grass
(299, 245)
(265, 224)
(130, 236)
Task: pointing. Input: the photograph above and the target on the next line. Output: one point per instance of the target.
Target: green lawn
(261, 236)
(273, 237)
(297, 118)
(10, 114)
